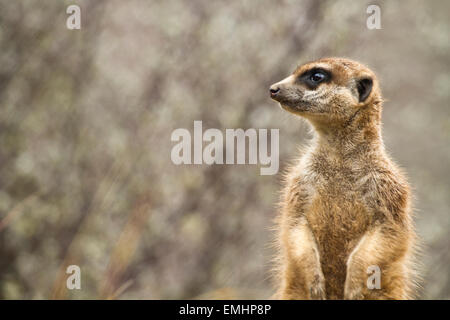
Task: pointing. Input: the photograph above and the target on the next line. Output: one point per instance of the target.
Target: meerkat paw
(317, 289)
(355, 294)
(352, 292)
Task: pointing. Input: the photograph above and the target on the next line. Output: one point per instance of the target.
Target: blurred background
(86, 118)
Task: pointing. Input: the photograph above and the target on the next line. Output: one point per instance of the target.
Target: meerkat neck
(360, 135)
(349, 144)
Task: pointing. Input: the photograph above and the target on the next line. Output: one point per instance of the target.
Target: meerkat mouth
(288, 104)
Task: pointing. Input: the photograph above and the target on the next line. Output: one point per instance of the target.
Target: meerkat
(345, 206)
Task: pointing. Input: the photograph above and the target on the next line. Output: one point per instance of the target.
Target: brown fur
(345, 205)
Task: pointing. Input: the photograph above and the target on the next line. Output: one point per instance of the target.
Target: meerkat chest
(328, 193)
(336, 213)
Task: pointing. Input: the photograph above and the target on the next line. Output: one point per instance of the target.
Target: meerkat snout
(274, 89)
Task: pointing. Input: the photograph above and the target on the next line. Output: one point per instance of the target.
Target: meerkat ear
(364, 87)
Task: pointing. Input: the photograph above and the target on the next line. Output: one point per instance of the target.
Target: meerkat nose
(274, 89)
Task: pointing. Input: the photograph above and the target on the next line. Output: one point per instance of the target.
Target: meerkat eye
(313, 77)
(317, 77)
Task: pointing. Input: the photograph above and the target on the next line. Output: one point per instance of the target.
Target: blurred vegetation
(86, 118)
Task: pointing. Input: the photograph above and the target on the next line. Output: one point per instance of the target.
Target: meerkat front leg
(303, 277)
(382, 249)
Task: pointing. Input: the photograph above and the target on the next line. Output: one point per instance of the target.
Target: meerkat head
(329, 91)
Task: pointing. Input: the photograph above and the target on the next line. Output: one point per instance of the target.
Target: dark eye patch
(313, 77)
